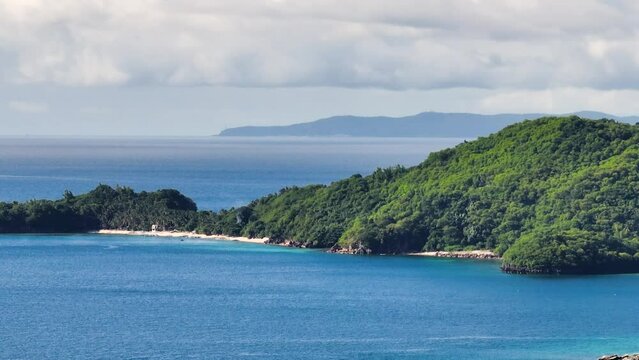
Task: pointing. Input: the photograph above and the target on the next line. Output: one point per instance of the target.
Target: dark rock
(620, 357)
(334, 249)
(522, 270)
(359, 250)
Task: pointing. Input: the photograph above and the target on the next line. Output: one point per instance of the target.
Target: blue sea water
(216, 172)
(91, 296)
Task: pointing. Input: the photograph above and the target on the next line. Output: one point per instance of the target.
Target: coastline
(181, 234)
(472, 254)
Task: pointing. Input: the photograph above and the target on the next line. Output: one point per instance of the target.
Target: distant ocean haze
(216, 172)
(426, 124)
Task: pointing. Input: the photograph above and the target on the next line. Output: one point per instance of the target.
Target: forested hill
(102, 208)
(426, 124)
(551, 195)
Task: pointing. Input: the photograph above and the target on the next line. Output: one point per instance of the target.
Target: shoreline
(472, 254)
(182, 234)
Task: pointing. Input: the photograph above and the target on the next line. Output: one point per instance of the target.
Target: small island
(556, 195)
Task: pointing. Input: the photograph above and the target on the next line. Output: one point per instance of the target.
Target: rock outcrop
(358, 250)
(620, 357)
(471, 254)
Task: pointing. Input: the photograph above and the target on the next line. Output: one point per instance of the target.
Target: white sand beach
(182, 234)
(473, 254)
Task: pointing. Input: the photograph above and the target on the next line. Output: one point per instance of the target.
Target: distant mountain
(426, 124)
(552, 195)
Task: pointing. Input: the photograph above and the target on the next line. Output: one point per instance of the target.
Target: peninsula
(552, 195)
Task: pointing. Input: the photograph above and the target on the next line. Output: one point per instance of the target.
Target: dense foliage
(101, 208)
(550, 195)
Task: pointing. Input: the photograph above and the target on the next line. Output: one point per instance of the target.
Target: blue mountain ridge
(426, 124)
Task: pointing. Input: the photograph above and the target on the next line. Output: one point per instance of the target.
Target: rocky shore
(286, 243)
(620, 357)
(472, 254)
(521, 270)
(359, 250)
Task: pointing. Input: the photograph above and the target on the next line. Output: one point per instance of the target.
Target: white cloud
(393, 44)
(560, 100)
(28, 107)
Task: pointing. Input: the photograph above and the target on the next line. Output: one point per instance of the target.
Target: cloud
(28, 107)
(559, 100)
(93, 110)
(390, 44)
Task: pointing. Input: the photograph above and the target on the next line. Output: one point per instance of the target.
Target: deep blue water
(216, 172)
(91, 296)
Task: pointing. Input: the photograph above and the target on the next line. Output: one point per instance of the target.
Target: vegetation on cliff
(550, 195)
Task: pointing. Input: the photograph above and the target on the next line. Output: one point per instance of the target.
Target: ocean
(104, 296)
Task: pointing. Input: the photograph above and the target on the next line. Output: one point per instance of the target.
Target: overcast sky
(194, 67)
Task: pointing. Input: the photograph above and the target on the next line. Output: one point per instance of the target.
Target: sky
(195, 67)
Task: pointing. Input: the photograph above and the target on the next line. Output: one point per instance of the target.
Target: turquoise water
(91, 296)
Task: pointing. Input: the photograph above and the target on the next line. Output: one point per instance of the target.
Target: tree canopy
(556, 194)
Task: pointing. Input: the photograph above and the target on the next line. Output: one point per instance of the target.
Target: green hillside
(553, 194)
(101, 208)
(550, 195)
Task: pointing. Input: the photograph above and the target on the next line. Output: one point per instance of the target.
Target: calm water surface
(216, 172)
(90, 296)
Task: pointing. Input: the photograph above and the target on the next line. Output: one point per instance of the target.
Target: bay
(93, 296)
(99, 296)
